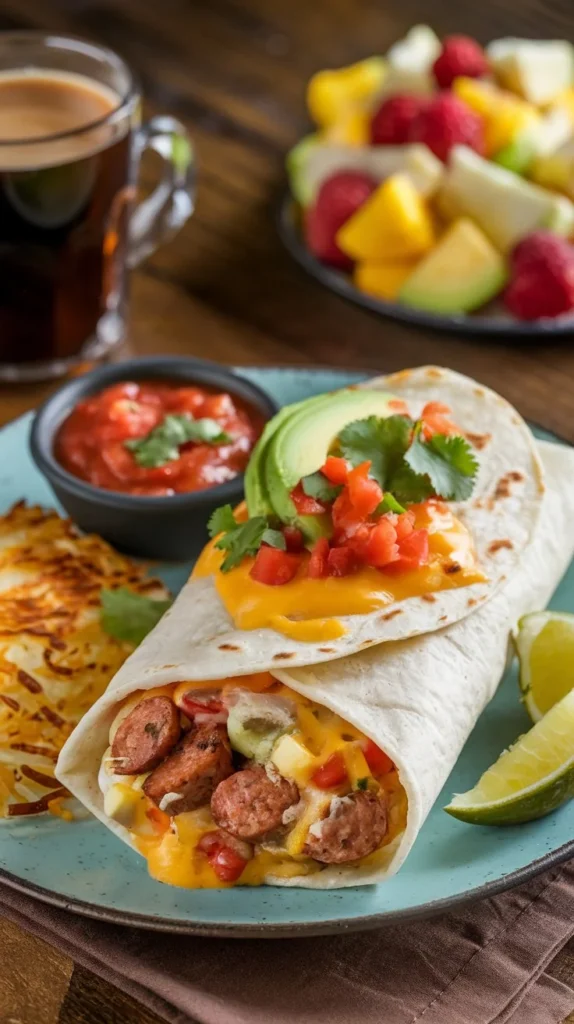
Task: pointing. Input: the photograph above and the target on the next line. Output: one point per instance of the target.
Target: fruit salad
(441, 176)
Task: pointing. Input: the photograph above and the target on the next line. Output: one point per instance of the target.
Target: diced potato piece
(121, 802)
(293, 759)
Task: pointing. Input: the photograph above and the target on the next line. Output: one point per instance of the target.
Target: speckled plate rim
(336, 281)
(331, 926)
(278, 931)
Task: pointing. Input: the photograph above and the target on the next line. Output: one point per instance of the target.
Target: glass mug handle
(165, 211)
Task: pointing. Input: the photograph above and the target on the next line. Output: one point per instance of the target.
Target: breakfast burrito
(318, 776)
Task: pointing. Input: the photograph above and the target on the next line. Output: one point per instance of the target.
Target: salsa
(155, 438)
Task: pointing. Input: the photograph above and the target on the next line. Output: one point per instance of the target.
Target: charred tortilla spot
(326, 650)
(229, 647)
(429, 598)
(471, 602)
(450, 568)
(443, 618)
(497, 545)
(283, 656)
(391, 615)
(478, 441)
(479, 392)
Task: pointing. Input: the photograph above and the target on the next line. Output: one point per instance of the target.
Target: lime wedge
(528, 781)
(545, 648)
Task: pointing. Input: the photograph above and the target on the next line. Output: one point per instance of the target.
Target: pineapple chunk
(293, 759)
(355, 763)
(393, 223)
(121, 803)
(383, 280)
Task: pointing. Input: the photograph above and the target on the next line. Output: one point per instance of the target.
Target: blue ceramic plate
(493, 320)
(82, 867)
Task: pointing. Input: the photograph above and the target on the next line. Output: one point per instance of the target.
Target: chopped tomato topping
(436, 420)
(342, 561)
(364, 493)
(227, 863)
(332, 773)
(382, 546)
(336, 470)
(317, 567)
(346, 519)
(159, 819)
(305, 505)
(404, 524)
(378, 762)
(199, 705)
(273, 566)
(293, 538)
(413, 552)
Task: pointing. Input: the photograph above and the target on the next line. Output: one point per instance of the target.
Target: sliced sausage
(147, 735)
(355, 826)
(197, 765)
(249, 804)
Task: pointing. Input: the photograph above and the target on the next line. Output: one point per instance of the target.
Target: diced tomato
(413, 552)
(332, 773)
(378, 762)
(342, 561)
(201, 704)
(274, 567)
(305, 505)
(382, 546)
(364, 493)
(293, 538)
(317, 567)
(346, 519)
(404, 524)
(336, 470)
(436, 420)
(359, 540)
(159, 819)
(227, 863)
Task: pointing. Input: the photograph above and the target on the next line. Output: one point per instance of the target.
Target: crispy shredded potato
(55, 658)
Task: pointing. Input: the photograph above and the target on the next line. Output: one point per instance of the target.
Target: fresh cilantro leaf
(317, 486)
(162, 443)
(448, 464)
(244, 539)
(409, 486)
(274, 538)
(126, 615)
(221, 521)
(389, 504)
(362, 783)
(382, 441)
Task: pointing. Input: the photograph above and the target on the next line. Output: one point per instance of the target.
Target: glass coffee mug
(71, 140)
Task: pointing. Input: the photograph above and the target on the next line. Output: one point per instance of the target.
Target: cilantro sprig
(162, 443)
(408, 468)
(242, 539)
(129, 616)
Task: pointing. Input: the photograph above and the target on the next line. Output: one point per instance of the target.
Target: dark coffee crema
(64, 204)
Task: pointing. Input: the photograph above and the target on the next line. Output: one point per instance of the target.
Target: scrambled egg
(55, 658)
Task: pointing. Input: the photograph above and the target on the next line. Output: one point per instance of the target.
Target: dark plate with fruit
(438, 186)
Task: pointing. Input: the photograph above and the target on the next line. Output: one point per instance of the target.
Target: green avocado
(302, 442)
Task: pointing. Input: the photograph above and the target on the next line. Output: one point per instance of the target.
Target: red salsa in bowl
(155, 438)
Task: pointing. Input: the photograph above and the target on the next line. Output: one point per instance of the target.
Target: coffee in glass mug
(70, 143)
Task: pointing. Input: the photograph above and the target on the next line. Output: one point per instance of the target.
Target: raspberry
(446, 122)
(540, 247)
(337, 199)
(543, 290)
(460, 55)
(392, 122)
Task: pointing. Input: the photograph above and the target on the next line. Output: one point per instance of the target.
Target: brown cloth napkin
(484, 965)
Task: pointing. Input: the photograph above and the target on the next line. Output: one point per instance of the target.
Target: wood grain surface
(234, 71)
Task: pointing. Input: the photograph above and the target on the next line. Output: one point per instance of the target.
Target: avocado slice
(301, 444)
(256, 721)
(258, 500)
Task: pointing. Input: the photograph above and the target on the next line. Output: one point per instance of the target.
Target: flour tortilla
(418, 699)
(197, 635)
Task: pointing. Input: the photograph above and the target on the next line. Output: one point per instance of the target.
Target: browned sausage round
(356, 826)
(250, 804)
(146, 736)
(197, 765)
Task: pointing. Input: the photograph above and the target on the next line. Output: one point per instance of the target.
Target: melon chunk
(462, 272)
(394, 223)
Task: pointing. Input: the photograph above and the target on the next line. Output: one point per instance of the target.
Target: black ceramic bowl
(172, 528)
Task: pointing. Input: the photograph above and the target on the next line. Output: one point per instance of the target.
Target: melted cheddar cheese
(307, 609)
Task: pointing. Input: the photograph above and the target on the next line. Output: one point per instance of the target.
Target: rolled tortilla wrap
(417, 699)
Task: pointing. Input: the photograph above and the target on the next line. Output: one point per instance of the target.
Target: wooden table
(234, 71)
